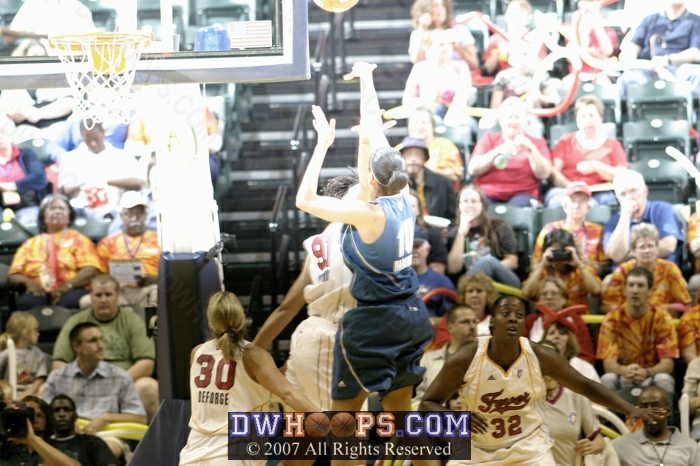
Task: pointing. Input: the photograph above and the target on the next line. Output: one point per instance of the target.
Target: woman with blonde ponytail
(230, 374)
(32, 363)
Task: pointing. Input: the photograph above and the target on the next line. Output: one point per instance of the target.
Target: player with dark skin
(504, 349)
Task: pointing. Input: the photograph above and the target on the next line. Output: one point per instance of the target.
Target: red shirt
(570, 151)
(516, 177)
(12, 171)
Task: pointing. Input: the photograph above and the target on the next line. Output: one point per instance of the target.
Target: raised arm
(292, 303)
(555, 366)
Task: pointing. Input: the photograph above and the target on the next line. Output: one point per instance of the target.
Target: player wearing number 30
(229, 374)
(380, 342)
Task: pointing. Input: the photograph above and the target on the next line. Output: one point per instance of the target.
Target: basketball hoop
(100, 69)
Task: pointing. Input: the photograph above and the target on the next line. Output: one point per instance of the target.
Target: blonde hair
(228, 322)
(18, 326)
(642, 231)
(481, 280)
(589, 99)
(5, 392)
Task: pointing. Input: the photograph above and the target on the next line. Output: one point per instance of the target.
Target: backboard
(197, 41)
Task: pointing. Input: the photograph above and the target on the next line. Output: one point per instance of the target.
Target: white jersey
(329, 295)
(217, 388)
(567, 415)
(509, 400)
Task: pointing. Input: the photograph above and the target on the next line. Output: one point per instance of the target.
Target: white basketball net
(100, 69)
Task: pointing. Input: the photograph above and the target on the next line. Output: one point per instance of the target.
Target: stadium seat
(43, 148)
(51, 320)
(644, 140)
(609, 95)
(12, 235)
(667, 180)
(600, 214)
(525, 224)
(549, 215)
(93, 228)
(660, 99)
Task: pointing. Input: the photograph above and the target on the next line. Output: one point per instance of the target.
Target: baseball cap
(421, 234)
(132, 199)
(409, 141)
(578, 187)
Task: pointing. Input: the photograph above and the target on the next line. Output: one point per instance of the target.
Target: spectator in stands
(55, 265)
(554, 296)
(480, 243)
(132, 255)
(90, 450)
(562, 334)
(95, 175)
(33, 448)
(637, 341)
(574, 429)
(440, 83)
(693, 242)
(126, 344)
(587, 236)
(657, 442)
(689, 331)
(51, 17)
(508, 165)
(445, 158)
(103, 392)
(31, 363)
(429, 279)
(561, 259)
(599, 42)
(631, 192)
(437, 258)
(669, 291)
(71, 136)
(691, 387)
(476, 291)
(431, 15)
(518, 17)
(671, 40)
(23, 181)
(38, 113)
(518, 81)
(587, 155)
(215, 142)
(461, 327)
(438, 196)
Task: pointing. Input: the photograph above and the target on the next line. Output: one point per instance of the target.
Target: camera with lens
(560, 255)
(13, 420)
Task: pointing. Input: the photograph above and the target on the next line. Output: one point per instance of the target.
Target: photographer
(27, 447)
(560, 259)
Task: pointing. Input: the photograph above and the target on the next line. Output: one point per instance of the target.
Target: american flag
(247, 34)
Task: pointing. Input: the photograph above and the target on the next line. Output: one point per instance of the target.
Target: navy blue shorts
(378, 348)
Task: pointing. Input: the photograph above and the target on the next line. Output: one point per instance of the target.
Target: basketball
(336, 6)
(317, 425)
(343, 425)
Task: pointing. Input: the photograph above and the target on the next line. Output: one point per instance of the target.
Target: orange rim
(79, 42)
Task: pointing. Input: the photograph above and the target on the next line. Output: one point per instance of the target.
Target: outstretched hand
(360, 69)
(324, 128)
(478, 423)
(652, 415)
(363, 132)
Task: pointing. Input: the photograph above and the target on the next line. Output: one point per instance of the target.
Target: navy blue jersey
(382, 270)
